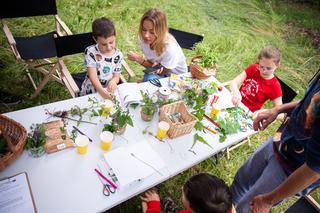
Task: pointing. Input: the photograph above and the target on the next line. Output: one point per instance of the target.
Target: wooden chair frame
(51, 70)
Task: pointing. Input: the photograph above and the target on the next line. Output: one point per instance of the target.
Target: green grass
(236, 30)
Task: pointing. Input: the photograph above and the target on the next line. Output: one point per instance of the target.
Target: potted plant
(36, 140)
(148, 108)
(204, 64)
(119, 120)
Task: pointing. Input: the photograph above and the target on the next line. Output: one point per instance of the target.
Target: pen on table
(209, 119)
(82, 133)
(106, 179)
(210, 130)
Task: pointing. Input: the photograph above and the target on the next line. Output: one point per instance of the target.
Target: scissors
(155, 82)
(107, 190)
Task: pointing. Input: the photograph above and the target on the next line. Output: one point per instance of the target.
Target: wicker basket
(16, 136)
(178, 129)
(199, 72)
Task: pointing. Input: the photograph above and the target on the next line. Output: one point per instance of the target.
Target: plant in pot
(148, 108)
(119, 120)
(204, 64)
(36, 140)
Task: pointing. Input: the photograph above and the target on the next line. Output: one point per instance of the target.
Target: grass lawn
(236, 30)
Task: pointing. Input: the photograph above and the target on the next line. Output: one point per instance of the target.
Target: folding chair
(73, 44)
(35, 51)
(185, 40)
(288, 95)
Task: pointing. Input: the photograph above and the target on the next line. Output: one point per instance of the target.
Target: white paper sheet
(128, 168)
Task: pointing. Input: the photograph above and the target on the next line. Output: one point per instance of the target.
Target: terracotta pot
(146, 117)
(198, 72)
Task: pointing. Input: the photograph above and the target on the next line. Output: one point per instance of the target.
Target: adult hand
(112, 86)
(260, 204)
(150, 195)
(132, 56)
(264, 118)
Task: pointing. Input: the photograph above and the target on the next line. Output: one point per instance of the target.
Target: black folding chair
(35, 51)
(185, 39)
(288, 93)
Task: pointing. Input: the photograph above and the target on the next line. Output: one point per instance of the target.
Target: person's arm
(92, 72)
(152, 199)
(264, 118)
(234, 86)
(132, 56)
(277, 101)
(112, 84)
(296, 182)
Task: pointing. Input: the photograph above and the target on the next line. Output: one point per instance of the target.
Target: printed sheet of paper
(15, 195)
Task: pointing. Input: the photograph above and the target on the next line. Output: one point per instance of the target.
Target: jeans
(260, 174)
(148, 77)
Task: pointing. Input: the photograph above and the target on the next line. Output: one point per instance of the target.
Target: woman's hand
(132, 56)
(150, 195)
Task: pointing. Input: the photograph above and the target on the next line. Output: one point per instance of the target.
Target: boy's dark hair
(103, 27)
(207, 193)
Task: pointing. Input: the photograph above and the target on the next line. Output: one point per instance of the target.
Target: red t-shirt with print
(256, 90)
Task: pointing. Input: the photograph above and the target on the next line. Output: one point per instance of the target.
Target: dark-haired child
(103, 60)
(202, 193)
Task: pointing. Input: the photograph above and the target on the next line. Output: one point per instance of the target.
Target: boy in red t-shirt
(201, 193)
(258, 83)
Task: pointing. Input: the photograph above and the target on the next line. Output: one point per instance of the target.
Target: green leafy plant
(209, 55)
(119, 119)
(228, 125)
(36, 138)
(148, 107)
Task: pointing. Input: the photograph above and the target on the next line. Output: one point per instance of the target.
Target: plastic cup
(106, 138)
(106, 107)
(163, 128)
(82, 144)
(214, 110)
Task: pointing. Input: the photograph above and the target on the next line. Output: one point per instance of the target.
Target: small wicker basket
(199, 72)
(16, 136)
(178, 128)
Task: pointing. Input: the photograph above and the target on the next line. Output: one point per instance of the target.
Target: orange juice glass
(106, 138)
(163, 128)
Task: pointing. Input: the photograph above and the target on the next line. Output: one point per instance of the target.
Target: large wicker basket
(16, 136)
(198, 72)
(178, 129)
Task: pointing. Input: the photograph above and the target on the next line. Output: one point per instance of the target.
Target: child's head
(204, 193)
(104, 33)
(153, 29)
(269, 60)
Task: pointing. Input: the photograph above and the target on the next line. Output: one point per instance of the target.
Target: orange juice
(163, 128)
(82, 144)
(106, 138)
